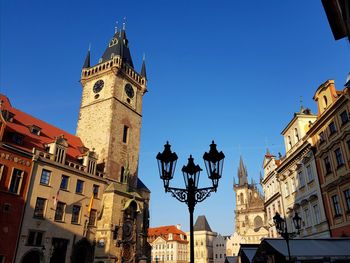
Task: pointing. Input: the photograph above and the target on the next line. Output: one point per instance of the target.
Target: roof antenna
(116, 27)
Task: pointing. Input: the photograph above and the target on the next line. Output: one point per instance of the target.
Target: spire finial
(143, 56)
(301, 104)
(89, 47)
(116, 27)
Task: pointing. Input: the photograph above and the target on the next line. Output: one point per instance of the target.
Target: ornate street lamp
(281, 227)
(191, 195)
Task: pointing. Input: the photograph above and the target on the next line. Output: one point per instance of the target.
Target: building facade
(169, 244)
(297, 176)
(330, 135)
(250, 221)
(85, 201)
(272, 191)
(203, 241)
(15, 171)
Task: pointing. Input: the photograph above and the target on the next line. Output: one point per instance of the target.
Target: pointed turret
(242, 173)
(143, 68)
(87, 59)
(118, 46)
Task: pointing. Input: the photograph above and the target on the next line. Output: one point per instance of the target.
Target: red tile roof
(21, 124)
(164, 231)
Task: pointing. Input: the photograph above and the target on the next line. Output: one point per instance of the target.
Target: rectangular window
(310, 175)
(286, 188)
(122, 175)
(16, 181)
(317, 213)
(332, 128)
(80, 187)
(59, 214)
(45, 177)
(95, 190)
(307, 217)
(76, 214)
(301, 179)
(1, 172)
(64, 182)
(339, 157)
(35, 238)
(336, 205)
(344, 117)
(39, 209)
(125, 134)
(293, 185)
(327, 165)
(347, 199)
(92, 217)
(321, 136)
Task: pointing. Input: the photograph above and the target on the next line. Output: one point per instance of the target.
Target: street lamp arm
(178, 193)
(203, 193)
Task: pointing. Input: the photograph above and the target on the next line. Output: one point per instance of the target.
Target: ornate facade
(250, 219)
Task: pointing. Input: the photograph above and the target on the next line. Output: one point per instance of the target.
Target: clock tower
(111, 109)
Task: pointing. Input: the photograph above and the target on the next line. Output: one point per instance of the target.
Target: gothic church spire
(242, 173)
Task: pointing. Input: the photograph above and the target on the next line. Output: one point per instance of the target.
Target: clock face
(129, 91)
(98, 86)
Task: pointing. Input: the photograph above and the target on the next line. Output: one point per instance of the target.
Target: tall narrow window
(80, 187)
(347, 199)
(76, 214)
(296, 134)
(339, 157)
(45, 177)
(344, 117)
(39, 207)
(125, 134)
(321, 137)
(59, 214)
(122, 175)
(310, 175)
(290, 142)
(332, 128)
(95, 190)
(327, 165)
(336, 205)
(307, 217)
(64, 182)
(16, 181)
(92, 217)
(286, 187)
(301, 179)
(317, 213)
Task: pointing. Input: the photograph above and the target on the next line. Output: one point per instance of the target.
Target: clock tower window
(125, 134)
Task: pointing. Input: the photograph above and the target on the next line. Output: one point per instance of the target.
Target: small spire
(87, 59)
(116, 27)
(143, 67)
(301, 104)
(124, 23)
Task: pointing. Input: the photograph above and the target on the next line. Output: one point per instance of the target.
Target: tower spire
(87, 58)
(242, 173)
(143, 67)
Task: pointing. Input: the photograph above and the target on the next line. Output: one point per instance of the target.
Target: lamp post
(191, 195)
(281, 226)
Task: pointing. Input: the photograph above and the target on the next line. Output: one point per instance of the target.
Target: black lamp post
(281, 226)
(191, 195)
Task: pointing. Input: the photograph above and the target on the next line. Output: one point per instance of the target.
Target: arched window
(296, 134)
(325, 101)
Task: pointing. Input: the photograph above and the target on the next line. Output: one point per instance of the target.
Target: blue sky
(232, 71)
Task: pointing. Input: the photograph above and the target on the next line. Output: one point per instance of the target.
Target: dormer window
(35, 129)
(8, 116)
(17, 138)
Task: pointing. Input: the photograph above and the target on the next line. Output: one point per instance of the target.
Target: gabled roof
(164, 231)
(202, 224)
(21, 123)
